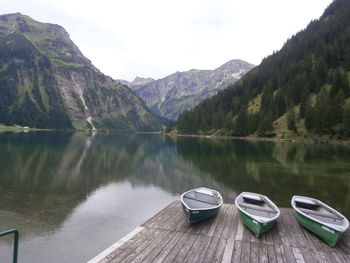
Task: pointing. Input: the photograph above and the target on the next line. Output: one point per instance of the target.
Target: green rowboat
(257, 212)
(320, 218)
(200, 203)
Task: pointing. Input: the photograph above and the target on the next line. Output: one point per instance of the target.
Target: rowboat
(257, 212)
(200, 203)
(320, 218)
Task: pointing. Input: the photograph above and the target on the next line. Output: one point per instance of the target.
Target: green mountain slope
(46, 82)
(301, 90)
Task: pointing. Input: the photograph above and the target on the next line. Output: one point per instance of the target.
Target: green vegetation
(7, 128)
(45, 82)
(29, 93)
(302, 90)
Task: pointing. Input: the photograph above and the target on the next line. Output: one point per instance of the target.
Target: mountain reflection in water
(71, 195)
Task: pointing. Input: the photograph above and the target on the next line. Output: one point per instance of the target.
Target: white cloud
(155, 38)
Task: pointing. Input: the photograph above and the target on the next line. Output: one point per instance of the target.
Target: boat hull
(194, 216)
(329, 235)
(256, 227)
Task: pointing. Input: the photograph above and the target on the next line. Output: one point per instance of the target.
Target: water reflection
(70, 193)
(44, 176)
(279, 170)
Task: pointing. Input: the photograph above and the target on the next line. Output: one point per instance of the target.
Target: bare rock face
(46, 82)
(170, 96)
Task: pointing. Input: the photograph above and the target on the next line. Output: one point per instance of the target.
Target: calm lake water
(71, 195)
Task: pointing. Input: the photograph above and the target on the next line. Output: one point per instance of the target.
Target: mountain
(170, 96)
(46, 82)
(300, 91)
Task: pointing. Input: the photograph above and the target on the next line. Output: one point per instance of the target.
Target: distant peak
(25, 24)
(137, 79)
(236, 63)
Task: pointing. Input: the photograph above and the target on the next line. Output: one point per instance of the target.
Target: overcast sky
(154, 38)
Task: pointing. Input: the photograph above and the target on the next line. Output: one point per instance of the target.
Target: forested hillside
(46, 82)
(301, 90)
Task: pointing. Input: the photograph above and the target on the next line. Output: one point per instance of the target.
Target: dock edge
(117, 244)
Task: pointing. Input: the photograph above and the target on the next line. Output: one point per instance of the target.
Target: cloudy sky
(154, 38)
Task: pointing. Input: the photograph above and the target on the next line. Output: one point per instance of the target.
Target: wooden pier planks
(167, 237)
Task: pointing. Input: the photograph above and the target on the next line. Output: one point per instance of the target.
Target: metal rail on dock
(15, 245)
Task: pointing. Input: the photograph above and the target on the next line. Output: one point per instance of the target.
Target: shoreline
(316, 140)
(313, 140)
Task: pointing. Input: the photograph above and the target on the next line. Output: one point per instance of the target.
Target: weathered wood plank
(206, 226)
(196, 248)
(254, 252)
(263, 254)
(176, 249)
(167, 237)
(335, 257)
(227, 255)
(217, 232)
(163, 248)
(236, 220)
(157, 241)
(309, 256)
(127, 248)
(245, 252)
(289, 255)
(219, 253)
(271, 253)
(211, 231)
(167, 249)
(157, 217)
(134, 249)
(229, 222)
(185, 249)
(237, 252)
(240, 230)
(145, 247)
(210, 251)
(298, 255)
(199, 255)
(280, 256)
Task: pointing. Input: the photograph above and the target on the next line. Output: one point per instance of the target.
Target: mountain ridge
(171, 95)
(46, 82)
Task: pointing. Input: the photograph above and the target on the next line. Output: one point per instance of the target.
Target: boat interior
(257, 205)
(198, 200)
(318, 211)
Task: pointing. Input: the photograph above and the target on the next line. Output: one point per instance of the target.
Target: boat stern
(329, 235)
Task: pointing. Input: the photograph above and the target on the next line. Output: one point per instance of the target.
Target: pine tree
(320, 112)
(310, 119)
(333, 120)
(280, 103)
(291, 120)
(265, 125)
(340, 82)
(241, 124)
(303, 105)
(346, 121)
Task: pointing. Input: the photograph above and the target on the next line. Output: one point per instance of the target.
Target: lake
(71, 195)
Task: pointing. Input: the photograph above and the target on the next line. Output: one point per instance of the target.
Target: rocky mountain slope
(301, 91)
(170, 96)
(46, 82)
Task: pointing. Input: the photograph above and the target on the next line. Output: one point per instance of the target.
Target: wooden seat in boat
(200, 200)
(259, 208)
(317, 213)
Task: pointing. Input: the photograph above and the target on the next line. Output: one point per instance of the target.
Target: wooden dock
(167, 237)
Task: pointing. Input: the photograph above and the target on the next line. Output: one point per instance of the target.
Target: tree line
(307, 80)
